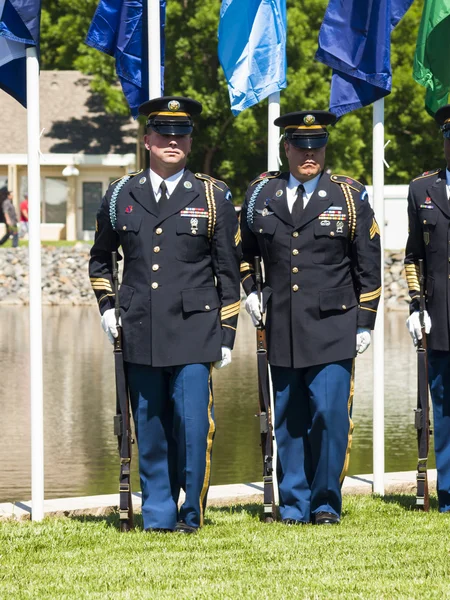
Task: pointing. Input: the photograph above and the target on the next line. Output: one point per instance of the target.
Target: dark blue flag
(355, 41)
(119, 28)
(19, 29)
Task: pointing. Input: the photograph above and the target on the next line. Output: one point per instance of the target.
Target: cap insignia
(173, 105)
(309, 120)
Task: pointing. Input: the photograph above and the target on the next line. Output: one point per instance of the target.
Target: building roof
(73, 119)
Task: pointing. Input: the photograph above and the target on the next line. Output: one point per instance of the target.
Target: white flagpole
(273, 154)
(34, 248)
(378, 345)
(154, 48)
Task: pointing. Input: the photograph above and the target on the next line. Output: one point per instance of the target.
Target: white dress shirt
(291, 190)
(171, 183)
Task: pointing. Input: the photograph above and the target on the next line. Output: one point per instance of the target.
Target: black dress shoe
(293, 522)
(182, 527)
(158, 530)
(326, 518)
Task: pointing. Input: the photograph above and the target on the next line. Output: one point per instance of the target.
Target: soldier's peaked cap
(442, 118)
(306, 128)
(171, 115)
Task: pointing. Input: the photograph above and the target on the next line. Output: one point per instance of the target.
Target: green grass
(56, 243)
(383, 549)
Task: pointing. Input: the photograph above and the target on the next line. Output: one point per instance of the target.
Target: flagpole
(34, 252)
(378, 345)
(273, 154)
(154, 48)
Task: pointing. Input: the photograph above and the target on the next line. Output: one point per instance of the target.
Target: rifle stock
(122, 421)
(422, 412)
(265, 411)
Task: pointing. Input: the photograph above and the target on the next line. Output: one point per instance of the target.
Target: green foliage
(235, 149)
(382, 549)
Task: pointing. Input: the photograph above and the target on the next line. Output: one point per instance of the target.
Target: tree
(234, 149)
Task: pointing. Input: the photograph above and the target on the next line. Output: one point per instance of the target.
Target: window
(55, 200)
(92, 197)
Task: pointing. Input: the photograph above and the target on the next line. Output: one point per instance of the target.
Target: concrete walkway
(219, 495)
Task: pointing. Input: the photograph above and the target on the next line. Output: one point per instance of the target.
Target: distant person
(10, 217)
(23, 230)
(428, 239)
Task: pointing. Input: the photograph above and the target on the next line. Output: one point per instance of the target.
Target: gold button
(155, 285)
(295, 252)
(295, 270)
(124, 227)
(158, 231)
(207, 307)
(295, 288)
(155, 267)
(261, 230)
(344, 307)
(156, 249)
(295, 234)
(424, 221)
(331, 232)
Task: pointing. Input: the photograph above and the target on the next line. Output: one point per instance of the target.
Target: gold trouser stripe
(246, 277)
(209, 441)
(245, 266)
(371, 309)
(370, 295)
(350, 426)
(104, 296)
(229, 326)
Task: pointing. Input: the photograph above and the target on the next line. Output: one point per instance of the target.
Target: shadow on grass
(407, 501)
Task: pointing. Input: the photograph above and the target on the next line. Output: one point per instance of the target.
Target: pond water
(79, 404)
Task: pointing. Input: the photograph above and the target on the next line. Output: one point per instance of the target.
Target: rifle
(265, 414)
(422, 412)
(122, 422)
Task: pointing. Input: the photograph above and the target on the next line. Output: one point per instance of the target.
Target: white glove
(363, 339)
(413, 325)
(253, 307)
(226, 358)
(109, 324)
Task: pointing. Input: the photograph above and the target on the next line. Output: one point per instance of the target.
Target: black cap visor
(171, 128)
(308, 143)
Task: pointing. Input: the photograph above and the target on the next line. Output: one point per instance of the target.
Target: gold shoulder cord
(351, 210)
(209, 190)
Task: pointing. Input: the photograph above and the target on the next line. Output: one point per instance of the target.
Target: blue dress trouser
(439, 379)
(313, 431)
(174, 423)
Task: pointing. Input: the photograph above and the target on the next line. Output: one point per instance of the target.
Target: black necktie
(163, 197)
(297, 208)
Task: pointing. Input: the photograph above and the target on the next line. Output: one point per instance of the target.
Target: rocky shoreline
(65, 280)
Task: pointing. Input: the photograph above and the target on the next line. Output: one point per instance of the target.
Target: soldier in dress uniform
(429, 239)
(320, 245)
(179, 301)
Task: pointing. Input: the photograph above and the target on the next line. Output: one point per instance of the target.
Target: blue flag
(19, 29)
(119, 28)
(355, 41)
(252, 49)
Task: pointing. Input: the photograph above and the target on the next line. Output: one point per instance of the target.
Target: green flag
(432, 58)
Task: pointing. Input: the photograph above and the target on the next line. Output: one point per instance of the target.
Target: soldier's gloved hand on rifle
(363, 339)
(226, 358)
(413, 325)
(109, 324)
(253, 307)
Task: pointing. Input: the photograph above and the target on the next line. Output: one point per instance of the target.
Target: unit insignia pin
(279, 193)
(142, 180)
(339, 227)
(194, 226)
(322, 193)
(188, 185)
(309, 120)
(265, 212)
